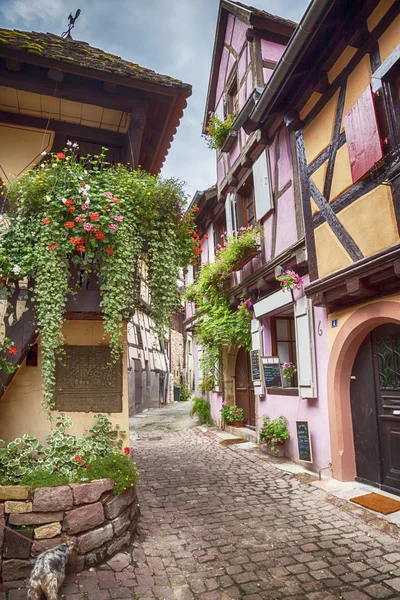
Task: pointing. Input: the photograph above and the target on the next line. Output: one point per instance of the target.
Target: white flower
(83, 192)
(54, 165)
(16, 270)
(63, 200)
(33, 233)
(42, 166)
(43, 153)
(69, 143)
(48, 198)
(75, 145)
(87, 187)
(85, 171)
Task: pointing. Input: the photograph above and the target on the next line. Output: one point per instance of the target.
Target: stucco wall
(20, 407)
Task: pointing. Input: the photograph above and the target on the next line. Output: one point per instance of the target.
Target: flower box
(236, 424)
(229, 141)
(248, 255)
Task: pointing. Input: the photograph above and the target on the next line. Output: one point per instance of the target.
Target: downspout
(296, 45)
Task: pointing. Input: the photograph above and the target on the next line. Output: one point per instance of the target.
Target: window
(284, 340)
(232, 100)
(248, 205)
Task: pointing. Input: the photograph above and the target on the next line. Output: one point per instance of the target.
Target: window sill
(229, 141)
(283, 391)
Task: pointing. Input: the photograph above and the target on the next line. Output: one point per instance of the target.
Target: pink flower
(108, 195)
(119, 218)
(85, 207)
(80, 219)
(113, 227)
(88, 227)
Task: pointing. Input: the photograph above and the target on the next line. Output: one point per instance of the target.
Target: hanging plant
(217, 130)
(103, 219)
(219, 326)
(289, 280)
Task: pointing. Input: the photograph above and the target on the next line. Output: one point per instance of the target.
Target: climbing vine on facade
(86, 214)
(218, 325)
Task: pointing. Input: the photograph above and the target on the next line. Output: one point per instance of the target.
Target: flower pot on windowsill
(248, 255)
(230, 139)
(236, 424)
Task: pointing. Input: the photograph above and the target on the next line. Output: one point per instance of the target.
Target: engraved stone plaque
(16, 547)
(87, 380)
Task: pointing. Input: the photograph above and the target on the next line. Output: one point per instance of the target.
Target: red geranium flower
(71, 209)
(116, 200)
(69, 224)
(206, 237)
(12, 350)
(46, 221)
(60, 155)
(82, 183)
(196, 208)
(81, 248)
(94, 216)
(127, 450)
(109, 250)
(99, 235)
(78, 458)
(52, 246)
(69, 202)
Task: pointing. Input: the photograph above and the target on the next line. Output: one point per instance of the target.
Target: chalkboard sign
(255, 365)
(272, 371)
(304, 441)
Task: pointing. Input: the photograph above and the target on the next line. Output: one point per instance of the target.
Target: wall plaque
(87, 380)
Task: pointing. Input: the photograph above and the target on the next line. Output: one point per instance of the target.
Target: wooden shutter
(256, 344)
(362, 135)
(211, 249)
(220, 111)
(305, 348)
(228, 214)
(262, 186)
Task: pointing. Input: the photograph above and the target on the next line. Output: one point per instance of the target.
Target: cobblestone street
(218, 522)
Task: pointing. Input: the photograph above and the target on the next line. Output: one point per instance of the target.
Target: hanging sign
(272, 371)
(304, 441)
(255, 365)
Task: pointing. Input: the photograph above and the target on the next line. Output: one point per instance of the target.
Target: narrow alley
(218, 522)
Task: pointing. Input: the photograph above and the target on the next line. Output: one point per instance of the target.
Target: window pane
(250, 211)
(250, 198)
(282, 329)
(284, 351)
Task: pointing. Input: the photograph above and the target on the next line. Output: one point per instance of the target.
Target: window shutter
(262, 186)
(305, 348)
(220, 110)
(190, 275)
(362, 135)
(211, 249)
(228, 214)
(256, 344)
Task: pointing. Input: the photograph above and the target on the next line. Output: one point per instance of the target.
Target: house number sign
(87, 380)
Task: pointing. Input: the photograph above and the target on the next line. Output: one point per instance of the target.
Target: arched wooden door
(375, 407)
(244, 388)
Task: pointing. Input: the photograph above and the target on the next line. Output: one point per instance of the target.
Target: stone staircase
(244, 432)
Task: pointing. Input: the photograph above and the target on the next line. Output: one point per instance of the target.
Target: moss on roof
(53, 47)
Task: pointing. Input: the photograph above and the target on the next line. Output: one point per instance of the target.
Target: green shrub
(185, 393)
(232, 414)
(202, 409)
(274, 432)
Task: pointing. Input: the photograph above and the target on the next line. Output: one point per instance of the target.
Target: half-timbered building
(338, 87)
(258, 183)
(54, 89)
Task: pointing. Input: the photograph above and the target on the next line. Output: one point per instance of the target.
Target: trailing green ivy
(219, 326)
(103, 219)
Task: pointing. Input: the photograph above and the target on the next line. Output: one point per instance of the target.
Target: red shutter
(362, 135)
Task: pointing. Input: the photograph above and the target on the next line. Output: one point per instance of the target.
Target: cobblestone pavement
(219, 523)
(157, 421)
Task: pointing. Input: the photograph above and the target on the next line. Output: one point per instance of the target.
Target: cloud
(173, 37)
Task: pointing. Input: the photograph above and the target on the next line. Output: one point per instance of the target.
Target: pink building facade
(258, 183)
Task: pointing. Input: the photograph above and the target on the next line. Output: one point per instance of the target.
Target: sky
(172, 37)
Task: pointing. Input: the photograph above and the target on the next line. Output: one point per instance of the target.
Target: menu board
(272, 371)
(304, 441)
(255, 365)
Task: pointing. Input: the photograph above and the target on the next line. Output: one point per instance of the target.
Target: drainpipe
(297, 44)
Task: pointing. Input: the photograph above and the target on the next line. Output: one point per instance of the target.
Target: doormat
(233, 441)
(378, 503)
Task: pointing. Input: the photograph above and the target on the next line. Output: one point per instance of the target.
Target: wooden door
(375, 406)
(244, 388)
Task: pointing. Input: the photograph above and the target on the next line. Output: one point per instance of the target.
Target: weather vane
(71, 24)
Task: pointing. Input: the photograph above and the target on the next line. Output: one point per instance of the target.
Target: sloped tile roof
(264, 14)
(73, 52)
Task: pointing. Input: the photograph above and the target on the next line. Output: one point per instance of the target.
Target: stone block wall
(88, 513)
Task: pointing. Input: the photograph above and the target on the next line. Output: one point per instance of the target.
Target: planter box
(280, 448)
(229, 141)
(99, 522)
(236, 424)
(247, 257)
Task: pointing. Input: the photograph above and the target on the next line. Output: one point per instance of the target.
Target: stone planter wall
(88, 513)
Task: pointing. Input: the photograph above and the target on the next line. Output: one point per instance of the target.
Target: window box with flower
(217, 130)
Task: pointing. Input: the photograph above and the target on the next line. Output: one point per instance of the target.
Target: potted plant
(288, 371)
(217, 130)
(289, 280)
(232, 415)
(273, 434)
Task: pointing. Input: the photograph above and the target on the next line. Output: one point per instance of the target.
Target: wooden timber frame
(376, 275)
